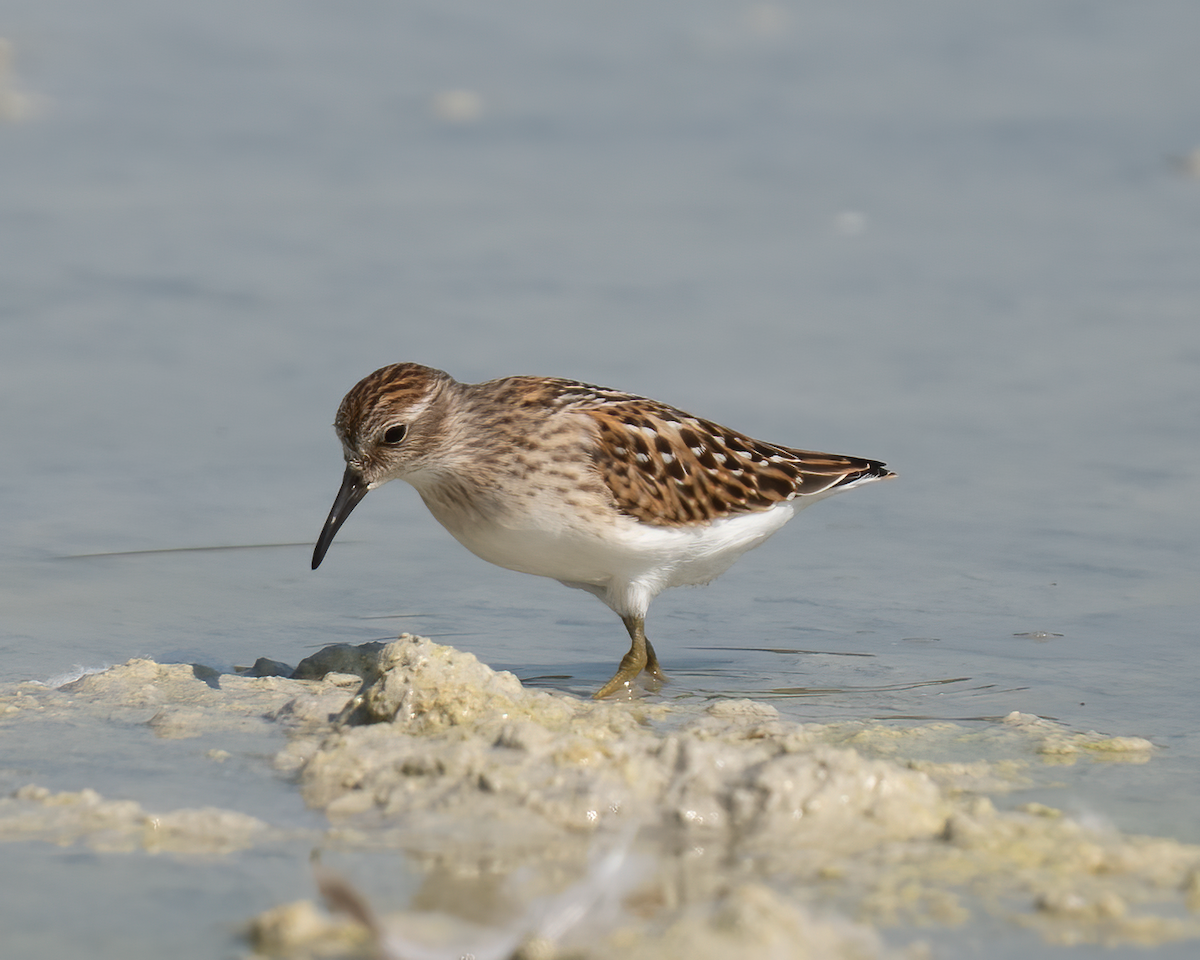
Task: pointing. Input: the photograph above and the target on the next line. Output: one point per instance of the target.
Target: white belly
(623, 561)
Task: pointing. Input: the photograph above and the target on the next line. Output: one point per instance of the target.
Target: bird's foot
(635, 662)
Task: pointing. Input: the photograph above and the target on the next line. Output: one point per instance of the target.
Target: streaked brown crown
(377, 396)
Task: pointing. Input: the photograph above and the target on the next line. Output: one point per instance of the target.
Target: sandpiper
(609, 492)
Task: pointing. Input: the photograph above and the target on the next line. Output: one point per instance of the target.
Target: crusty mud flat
(542, 825)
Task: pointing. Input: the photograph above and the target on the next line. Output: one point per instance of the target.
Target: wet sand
(536, 822)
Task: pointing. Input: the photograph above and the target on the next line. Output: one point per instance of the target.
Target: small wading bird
(609, 492)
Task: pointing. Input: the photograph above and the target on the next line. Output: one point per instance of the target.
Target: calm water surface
(953, 239)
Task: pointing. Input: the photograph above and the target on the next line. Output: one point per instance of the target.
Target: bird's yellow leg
(641, 656)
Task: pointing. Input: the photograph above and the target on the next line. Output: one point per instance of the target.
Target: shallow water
(952, 239)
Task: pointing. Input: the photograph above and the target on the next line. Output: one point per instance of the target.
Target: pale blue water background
(949, 236)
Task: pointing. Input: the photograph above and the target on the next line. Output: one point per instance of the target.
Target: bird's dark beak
(353, 489)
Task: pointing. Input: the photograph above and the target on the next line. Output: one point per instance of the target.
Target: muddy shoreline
(547, 825)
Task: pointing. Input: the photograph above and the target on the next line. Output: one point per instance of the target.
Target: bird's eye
(395, 433)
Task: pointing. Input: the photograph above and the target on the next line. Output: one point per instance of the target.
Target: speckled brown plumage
(667, 467)
(615, 493)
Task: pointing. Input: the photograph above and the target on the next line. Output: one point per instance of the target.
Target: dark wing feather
(668, 468)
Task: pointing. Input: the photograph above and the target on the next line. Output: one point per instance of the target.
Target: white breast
(623, 561)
